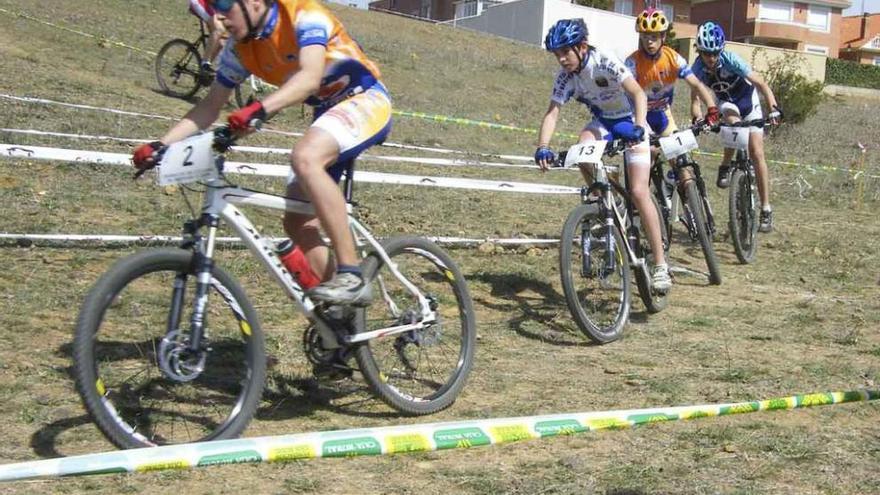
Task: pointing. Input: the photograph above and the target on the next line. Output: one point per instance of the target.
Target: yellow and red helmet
(652, 21)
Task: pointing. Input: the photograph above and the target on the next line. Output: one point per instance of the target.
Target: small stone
(486, 248)
(730, 449)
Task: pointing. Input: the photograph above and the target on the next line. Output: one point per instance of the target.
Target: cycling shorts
(356, 123)
(610, 129)
(661, 122)
(745, 108)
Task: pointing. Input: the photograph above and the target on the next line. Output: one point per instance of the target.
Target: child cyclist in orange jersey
(734, 84)
(657, 67)
(619, 106)
(299, 46)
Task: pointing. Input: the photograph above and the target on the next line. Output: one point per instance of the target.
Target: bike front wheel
(653, 300)
(595, 275)
(420, 371)
(697, 217)
(743, 217)
(178, 69)
(119, 344)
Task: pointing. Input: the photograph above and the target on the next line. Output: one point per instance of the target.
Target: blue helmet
(565, 33)
(710, 37)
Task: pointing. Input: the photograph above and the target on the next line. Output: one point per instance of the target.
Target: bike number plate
(678, 144)
(735, 137)
(588, 152)
(190, 160)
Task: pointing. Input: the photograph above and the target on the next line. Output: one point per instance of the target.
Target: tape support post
(398, 439)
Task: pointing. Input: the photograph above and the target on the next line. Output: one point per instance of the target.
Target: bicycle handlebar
(224, 139)
(613, 148)
(697, 128)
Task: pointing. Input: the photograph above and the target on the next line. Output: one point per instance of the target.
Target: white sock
(766, 208)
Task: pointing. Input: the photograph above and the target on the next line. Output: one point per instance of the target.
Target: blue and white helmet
(710, 37)
(565, 33)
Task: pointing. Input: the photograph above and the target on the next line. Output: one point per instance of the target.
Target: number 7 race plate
(735, 137)
(678, 144)
(587, 152)
(189, 160)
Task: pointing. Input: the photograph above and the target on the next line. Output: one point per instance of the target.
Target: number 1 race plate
(588, 152)
(678, 144)
(189, 160)
(735, 137)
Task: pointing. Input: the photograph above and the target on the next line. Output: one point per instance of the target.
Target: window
(623, 7)
(668, 11)
(876, 60)
(467, 9)
(875, 43)
(774, 10)
(819, 17)
(821, 50)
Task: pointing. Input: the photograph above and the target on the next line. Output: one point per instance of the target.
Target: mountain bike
(180, 74)
(602, 246)
(169, 349)
(689, 192)
(743, 209)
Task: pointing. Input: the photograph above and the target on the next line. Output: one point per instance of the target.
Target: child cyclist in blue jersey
(619, 107)
(734, 84)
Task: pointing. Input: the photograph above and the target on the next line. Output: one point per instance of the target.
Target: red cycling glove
(145, 155)
(712, 116)
(243, 118)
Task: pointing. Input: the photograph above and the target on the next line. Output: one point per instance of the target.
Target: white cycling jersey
(599, 85)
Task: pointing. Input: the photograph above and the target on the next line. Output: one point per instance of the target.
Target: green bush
(798, 96)
(847, 73)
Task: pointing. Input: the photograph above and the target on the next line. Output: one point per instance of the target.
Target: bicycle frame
(219, 203)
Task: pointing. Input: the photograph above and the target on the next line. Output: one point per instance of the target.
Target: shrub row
(847, 73)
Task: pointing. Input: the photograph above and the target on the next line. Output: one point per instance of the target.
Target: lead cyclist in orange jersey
(299, 46)
(657, 67)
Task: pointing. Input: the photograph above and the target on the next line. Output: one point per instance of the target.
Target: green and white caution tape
(101, 39)
(398, 439)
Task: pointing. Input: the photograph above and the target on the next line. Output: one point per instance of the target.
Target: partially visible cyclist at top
(736, 87)
(299, 46)
(657, 67)
(203, 10)
(618, 105)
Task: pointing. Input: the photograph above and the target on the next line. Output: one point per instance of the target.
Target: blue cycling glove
(634, 135)
(544, 153)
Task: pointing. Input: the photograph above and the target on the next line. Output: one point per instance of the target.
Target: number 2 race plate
(189, 160)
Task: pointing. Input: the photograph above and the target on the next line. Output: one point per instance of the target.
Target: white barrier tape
(59, 154)
(399, 439)
(286, 151)
(168, 239)
(265, 129)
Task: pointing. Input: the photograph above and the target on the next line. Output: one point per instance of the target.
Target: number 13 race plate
(189, 160)
(678, 144)
(588, 152)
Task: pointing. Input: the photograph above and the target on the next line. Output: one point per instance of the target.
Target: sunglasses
(223, 6)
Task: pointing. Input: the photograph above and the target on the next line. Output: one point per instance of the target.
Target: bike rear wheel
(743, 217)
(421, 371)
(117, 348)
(595, 280)
(653, 300)
(694, 209)
(178, 69)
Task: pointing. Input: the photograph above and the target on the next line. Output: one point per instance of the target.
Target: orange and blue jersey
(273, 55)
(657, 75)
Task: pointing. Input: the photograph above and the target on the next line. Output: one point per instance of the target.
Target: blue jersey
(728, 80)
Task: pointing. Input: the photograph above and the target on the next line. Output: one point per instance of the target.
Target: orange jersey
(274, 55)
(657, 75)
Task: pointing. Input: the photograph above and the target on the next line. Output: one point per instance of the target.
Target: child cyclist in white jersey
(619, 107)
